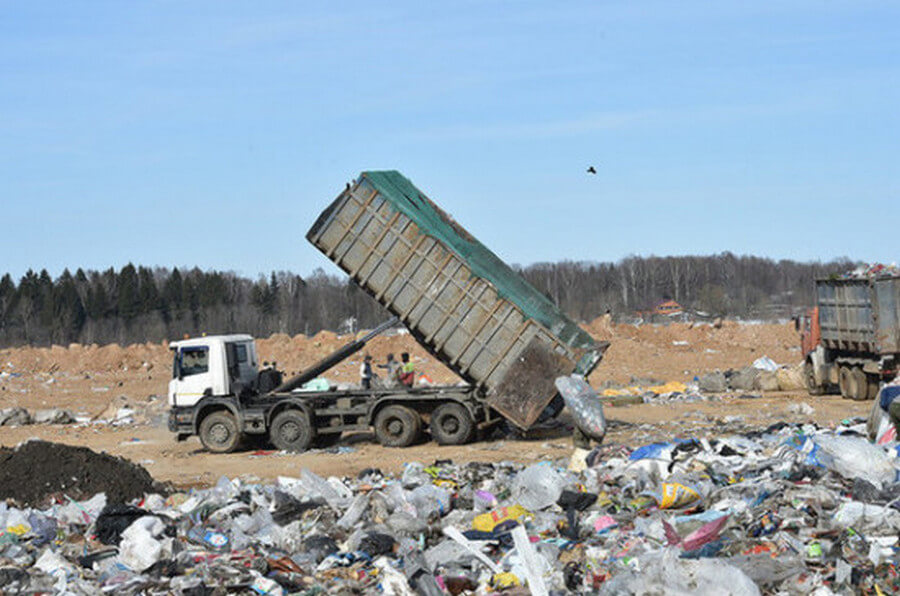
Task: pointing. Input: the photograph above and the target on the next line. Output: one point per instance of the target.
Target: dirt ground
(94, 382)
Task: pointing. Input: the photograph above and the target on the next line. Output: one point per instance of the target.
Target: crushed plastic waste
(790, 509)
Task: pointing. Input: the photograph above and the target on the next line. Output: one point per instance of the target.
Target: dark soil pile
(37, 470)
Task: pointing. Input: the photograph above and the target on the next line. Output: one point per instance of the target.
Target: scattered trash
(873, 270)
(53, 416)
(801, 408)
(765, 363)
(789, 509)
(14, 417)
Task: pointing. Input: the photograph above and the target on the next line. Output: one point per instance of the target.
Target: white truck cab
(211, 366)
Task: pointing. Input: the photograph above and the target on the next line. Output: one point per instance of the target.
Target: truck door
(192, 378)
(241, 365)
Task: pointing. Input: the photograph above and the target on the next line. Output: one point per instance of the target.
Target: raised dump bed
(460, 301)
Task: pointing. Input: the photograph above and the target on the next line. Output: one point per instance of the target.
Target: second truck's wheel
(219, 432)
(291, 431)
(859, 385)
(844, 382)
(451, 424)
(397, 426)
(811, 385)
(874, 385)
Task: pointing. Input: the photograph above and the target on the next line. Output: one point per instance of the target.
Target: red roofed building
(668, 308)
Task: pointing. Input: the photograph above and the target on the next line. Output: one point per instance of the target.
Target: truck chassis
(300, 420)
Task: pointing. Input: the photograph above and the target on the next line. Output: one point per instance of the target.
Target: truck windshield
(194, 360)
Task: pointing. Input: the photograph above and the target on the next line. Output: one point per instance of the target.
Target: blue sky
(213, 133)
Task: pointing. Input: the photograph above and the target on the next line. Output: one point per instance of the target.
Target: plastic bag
(585, 405)
(430, 501)
(139, 548)
(675, 495)
(538, 486)
(854, 457)
(665, 573)
(765, 363)
(115, 519)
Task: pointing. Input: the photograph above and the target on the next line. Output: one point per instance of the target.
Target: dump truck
(462, 303)
(850, 339)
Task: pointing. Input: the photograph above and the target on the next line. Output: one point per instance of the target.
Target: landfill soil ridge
(677, 351)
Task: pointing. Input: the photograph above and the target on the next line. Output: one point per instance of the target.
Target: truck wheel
(859, 385)
(219, 432)
(451, 424)
(844, 382)
(874, 386)
(397, 426)
(811, 386)
(291, 431)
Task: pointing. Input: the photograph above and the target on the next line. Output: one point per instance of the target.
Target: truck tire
(844, 381)
(219, 432)
(874, 385)
(812, 387)
(451, 424)
(291, 431)
(397, 426)
(859, 385)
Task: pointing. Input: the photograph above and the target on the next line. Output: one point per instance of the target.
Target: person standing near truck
(365, 372)
(407, 371)
(393, 371)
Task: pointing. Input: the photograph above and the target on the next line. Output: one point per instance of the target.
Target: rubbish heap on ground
(792, 509)
(763, 375)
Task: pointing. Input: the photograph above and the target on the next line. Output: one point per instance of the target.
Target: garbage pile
(872, 270)
(17, 416)
(121, 411)
(763, 375)
(650, 391)
(792, 509)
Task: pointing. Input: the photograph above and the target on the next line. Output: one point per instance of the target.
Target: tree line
(140, 304)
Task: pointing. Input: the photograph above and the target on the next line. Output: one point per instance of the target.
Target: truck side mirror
(796, 323)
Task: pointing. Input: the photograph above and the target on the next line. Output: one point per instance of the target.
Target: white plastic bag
(854, 457)
(139, 548)
(538, 486)
(585, 405)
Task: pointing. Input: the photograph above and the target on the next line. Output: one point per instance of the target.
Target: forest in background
(141, 304)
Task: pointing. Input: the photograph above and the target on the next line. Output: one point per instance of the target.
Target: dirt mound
(36, 470)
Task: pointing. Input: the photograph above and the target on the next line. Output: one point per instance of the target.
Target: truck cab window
(194, 360)
(240, 352)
